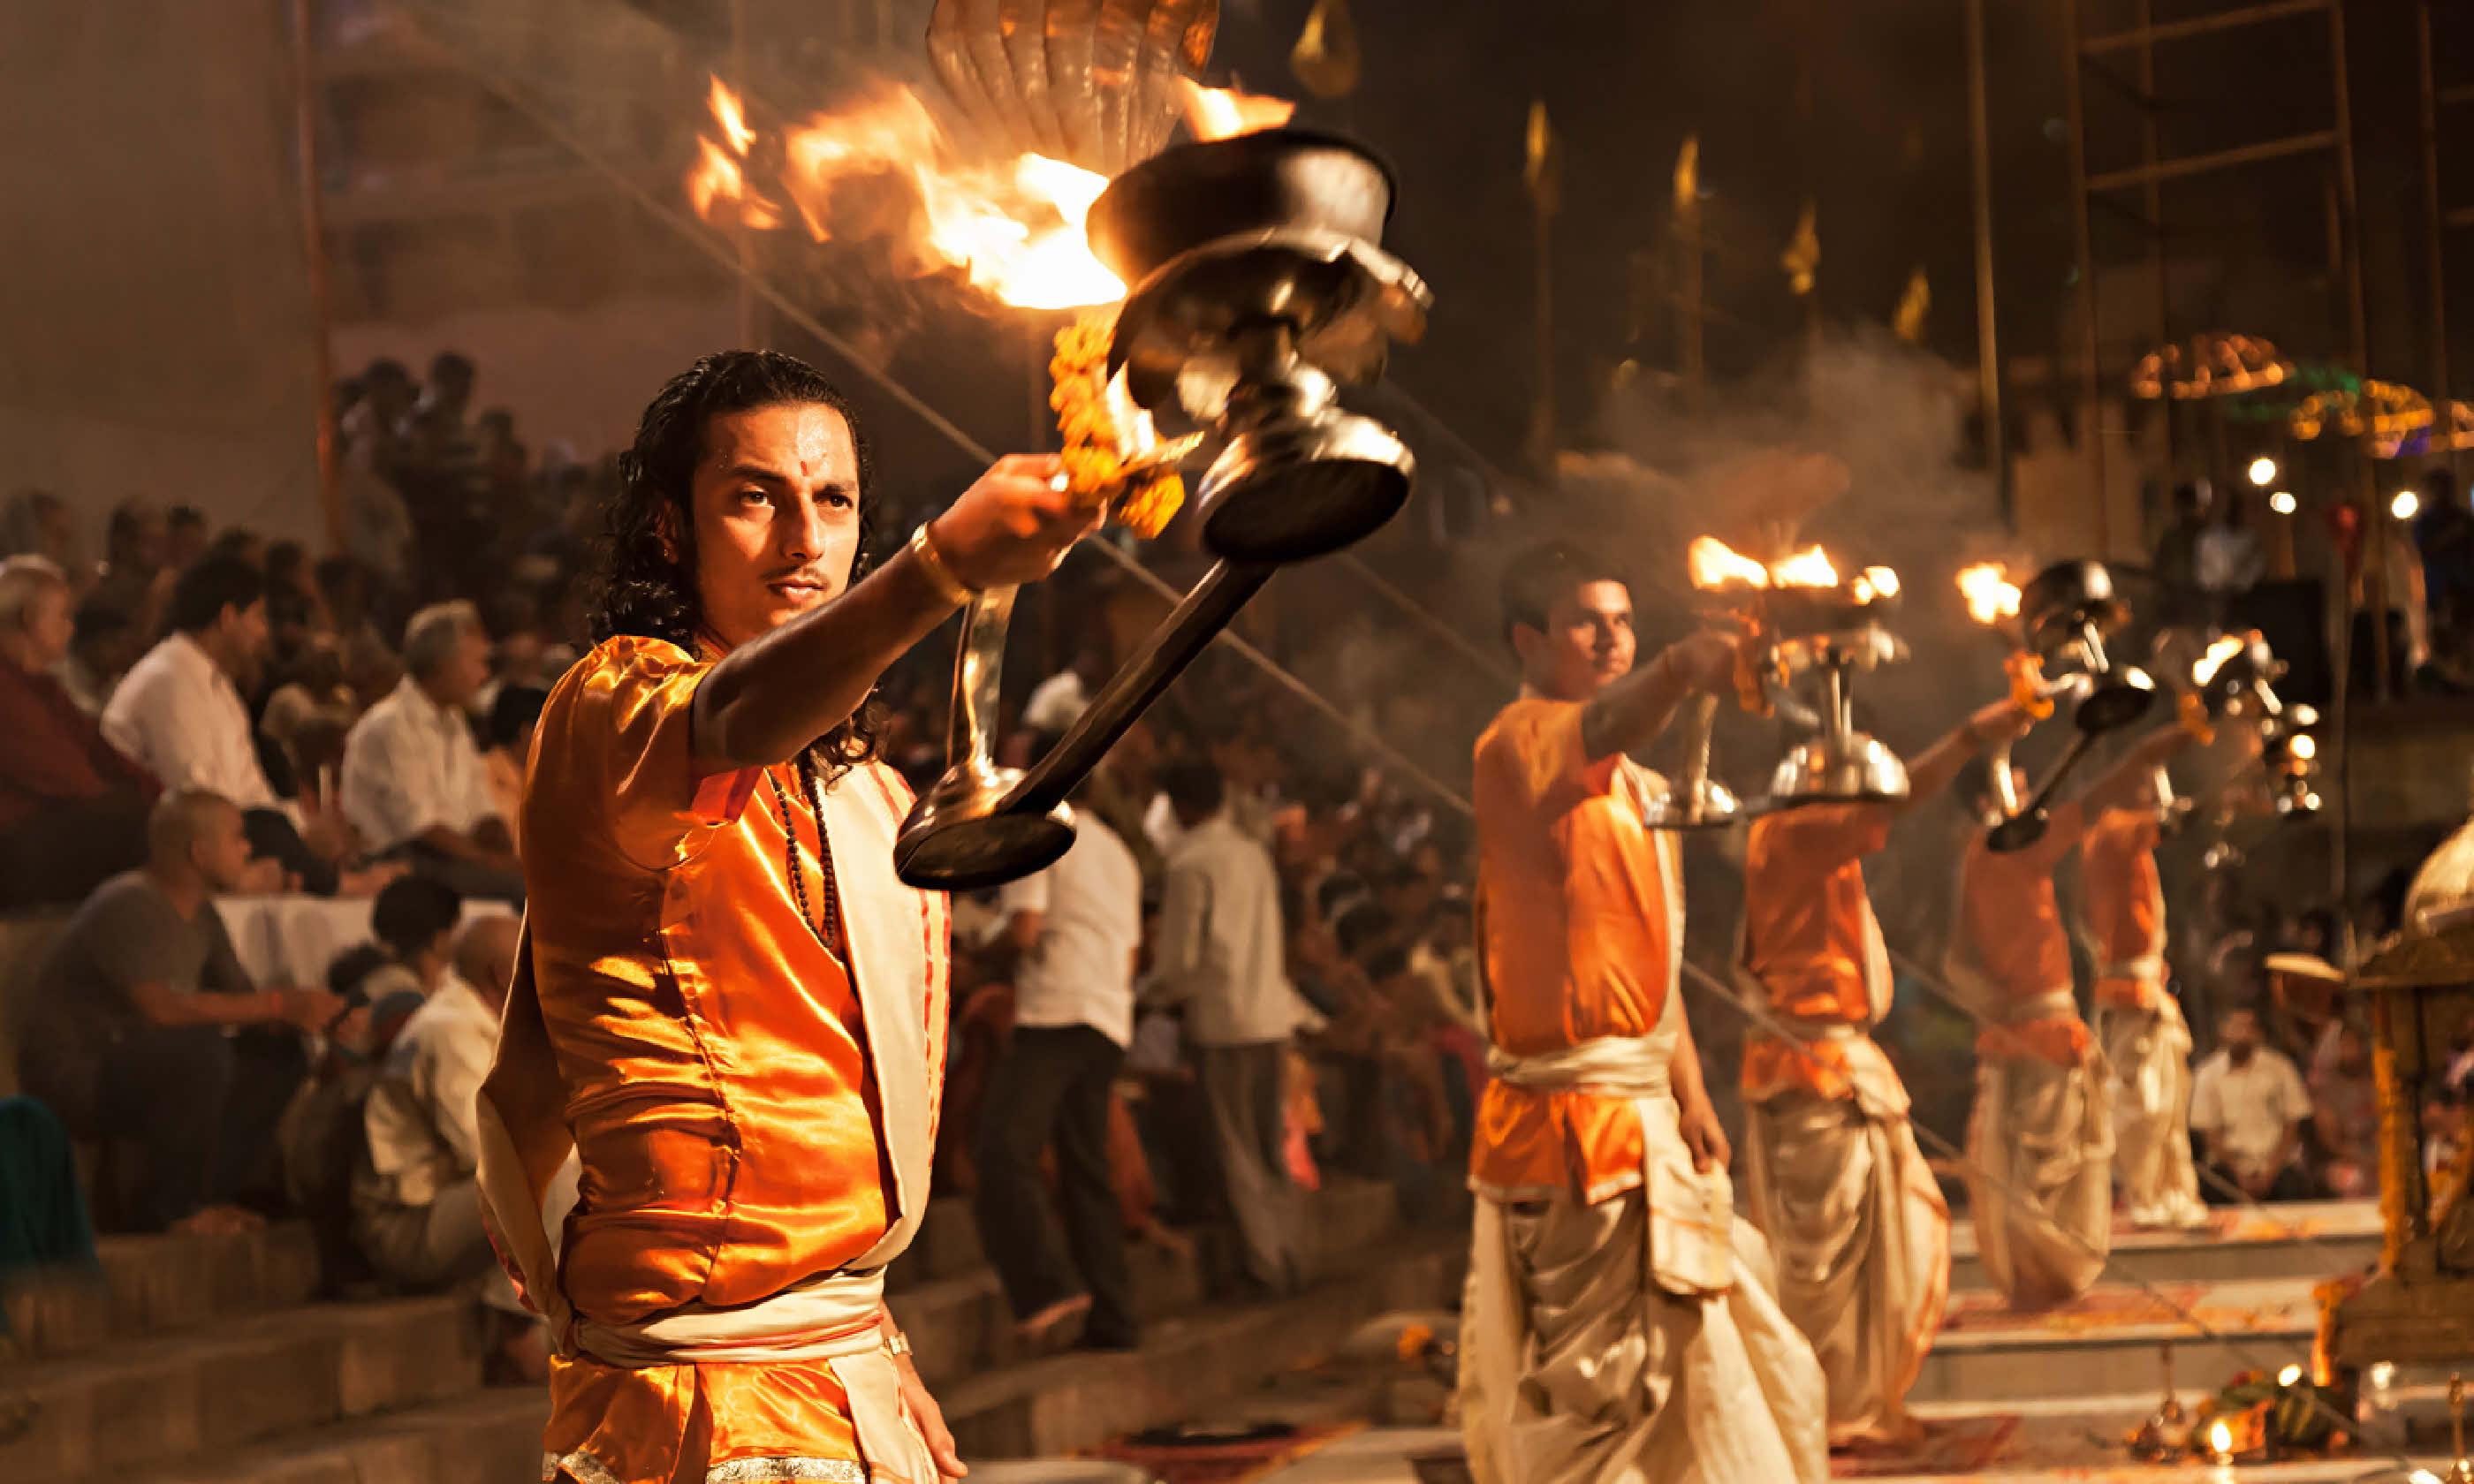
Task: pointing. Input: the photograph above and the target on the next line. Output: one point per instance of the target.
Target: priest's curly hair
(644, 575)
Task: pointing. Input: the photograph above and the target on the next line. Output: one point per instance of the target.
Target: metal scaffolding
(2088, 58)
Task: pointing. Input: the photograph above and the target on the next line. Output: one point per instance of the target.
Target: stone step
(960, 1325)
(1193, 1362)
(144, 1401)
(2303, 1239)
(483, 1436)
(158, 1283)
(2109, 1341)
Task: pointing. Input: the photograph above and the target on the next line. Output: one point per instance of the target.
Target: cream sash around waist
(832, 1319)
(1691, 1212)
(2051, 1005)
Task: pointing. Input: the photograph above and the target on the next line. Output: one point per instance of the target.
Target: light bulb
(2404, 506)
(2282, 502)
(2262, 471)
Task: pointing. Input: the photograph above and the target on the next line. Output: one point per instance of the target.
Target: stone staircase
(194, 1360)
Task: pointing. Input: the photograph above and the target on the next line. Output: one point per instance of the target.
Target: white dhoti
(2149, 1048)
(1859, 1232)
(2040, 1154)
(1632, 1340)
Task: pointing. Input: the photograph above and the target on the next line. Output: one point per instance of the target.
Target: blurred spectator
(417, 1209)
(2248, 1104)
(2175, 562)
(414, 920)
(442, 479)
(72, 808)
(178, 713)
(2403, 610)
(134, 576)
(1219, 955)
(240, 542)
(2226, 558)
(128, 1035)
(1057, 701)
(187, 535)
(413, 780)
(1078, 927)
(509, 734)
(2444, 535)
(370, 665)
(2346, 1113)
(37, 523)
(377, 528)
(102, 645)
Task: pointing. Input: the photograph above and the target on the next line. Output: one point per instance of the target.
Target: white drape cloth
(2040, 1175)
(1861, 1232)
(2149, 1050)
(1634, 1340)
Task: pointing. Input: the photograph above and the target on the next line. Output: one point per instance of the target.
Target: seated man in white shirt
(2248, 1104)
(413, 780)
(1077, 925)
(178, 713)
(416, 1207)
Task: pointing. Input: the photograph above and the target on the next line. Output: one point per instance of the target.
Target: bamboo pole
(313, 232)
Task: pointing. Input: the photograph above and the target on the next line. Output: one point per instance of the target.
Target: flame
(2304, 747)
(1219, 112)
(1875, 583)
(732, 118)
(1015, 228)
(1713, 566)
(2205, 668)
(2221, 1437)
(1989, 593)
(1807, 568)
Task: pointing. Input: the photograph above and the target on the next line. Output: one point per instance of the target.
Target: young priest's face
(775, 502)
(1586, 643)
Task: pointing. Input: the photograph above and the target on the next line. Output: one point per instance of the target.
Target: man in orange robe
(1618, 1323)
(2121, 904)
(2040, 1142)
(730, 1009)
(1852, 1212)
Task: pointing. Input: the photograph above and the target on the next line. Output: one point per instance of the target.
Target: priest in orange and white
(2039, 1142)
(1619, 1323)
(1853, 1215)
(2147, 1040)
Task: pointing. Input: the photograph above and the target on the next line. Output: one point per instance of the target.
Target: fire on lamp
(1992, 601)
(1804, 620)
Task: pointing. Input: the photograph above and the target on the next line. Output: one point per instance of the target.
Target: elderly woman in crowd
(72, 810)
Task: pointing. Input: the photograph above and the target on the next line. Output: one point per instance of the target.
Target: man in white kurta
(1619, 1324)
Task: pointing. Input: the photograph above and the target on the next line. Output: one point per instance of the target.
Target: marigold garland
(1102, 431)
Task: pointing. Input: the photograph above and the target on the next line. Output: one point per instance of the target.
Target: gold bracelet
(899, 1345)
(941, 575)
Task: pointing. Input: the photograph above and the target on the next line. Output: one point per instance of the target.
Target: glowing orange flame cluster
(1991, 596)
(1015, 230)
(1221, 112)
(2205, 668)
(1714, 565)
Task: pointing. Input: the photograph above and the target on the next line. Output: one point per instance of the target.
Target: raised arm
(2120, 783)
(771, 697)
(1632, 712)
(1930, 771)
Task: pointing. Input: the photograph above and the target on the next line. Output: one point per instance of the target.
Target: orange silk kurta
(713, 1057)
(1574, 914)
(2123, 903)
(1810, 938)
(2011, 936)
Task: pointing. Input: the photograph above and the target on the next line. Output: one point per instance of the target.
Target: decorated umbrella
(1098, 84)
